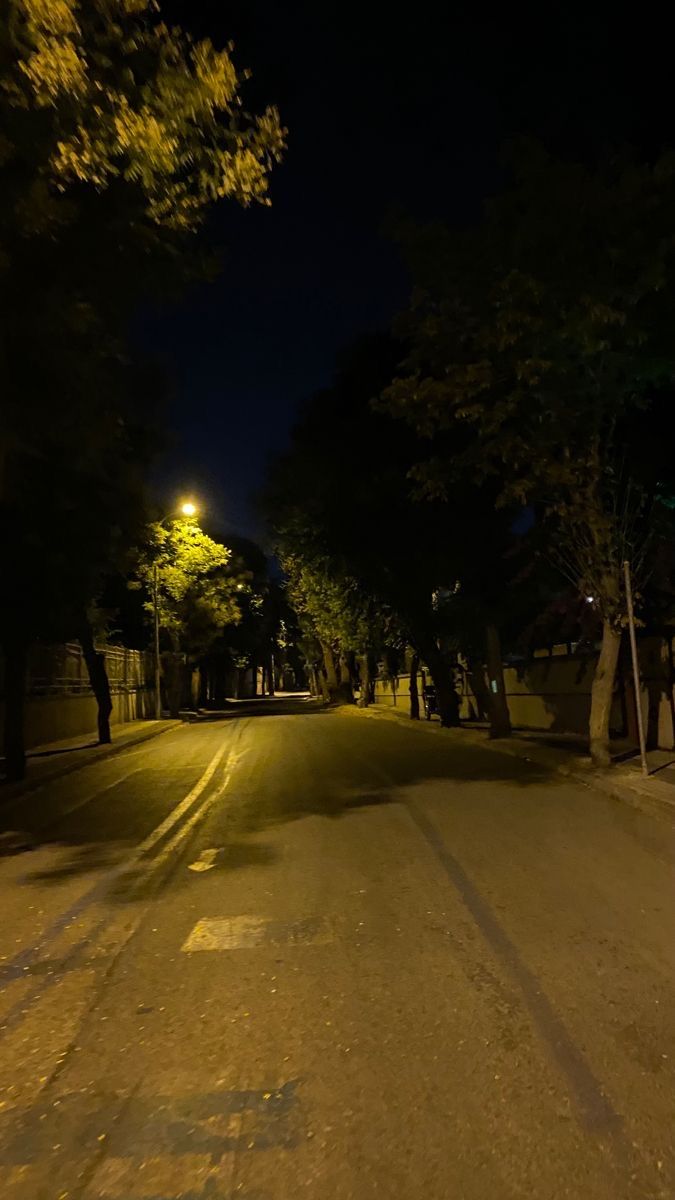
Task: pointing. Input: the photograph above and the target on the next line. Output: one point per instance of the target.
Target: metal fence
(62, 670)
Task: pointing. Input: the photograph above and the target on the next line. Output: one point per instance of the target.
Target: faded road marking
(248, 932)
(206, 860)
(153, 1128)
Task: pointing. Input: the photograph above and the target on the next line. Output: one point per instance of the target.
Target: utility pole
(636, 668)
(155, 604)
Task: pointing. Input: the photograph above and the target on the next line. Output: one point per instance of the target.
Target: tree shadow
(80, 860)
(366, 765)
(259, 706)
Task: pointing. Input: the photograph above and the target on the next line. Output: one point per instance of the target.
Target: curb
(643, 798)
(17, 791)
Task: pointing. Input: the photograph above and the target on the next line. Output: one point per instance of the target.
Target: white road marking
(248, 932)
(206, 860)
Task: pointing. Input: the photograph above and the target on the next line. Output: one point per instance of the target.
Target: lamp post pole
(187, 510)
(155, 603)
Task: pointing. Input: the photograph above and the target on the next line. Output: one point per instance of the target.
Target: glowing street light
(188, 509)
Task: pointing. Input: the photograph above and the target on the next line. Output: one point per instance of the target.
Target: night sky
(385, 114)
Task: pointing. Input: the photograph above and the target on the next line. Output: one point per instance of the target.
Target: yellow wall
(554, 693)
(52, 718)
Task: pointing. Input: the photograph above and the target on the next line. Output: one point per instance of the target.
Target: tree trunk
(194, 688)
(330, 675)
(329, 667)
(365, 693)
(414, 693)
(98, 678)
(16, 666)
(338, 692)
(270, 676)
(218, 696)
(500, 720)
(174, 682)
(602, 692)
(205, 685)
(447, 700)
(345, 691)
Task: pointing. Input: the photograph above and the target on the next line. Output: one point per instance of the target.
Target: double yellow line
(147, 860)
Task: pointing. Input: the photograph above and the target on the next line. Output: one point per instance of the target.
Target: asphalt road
(298, 953)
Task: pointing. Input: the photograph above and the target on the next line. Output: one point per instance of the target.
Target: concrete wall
(394, 691)
(51, 718)
(553, 692)
(60, 703)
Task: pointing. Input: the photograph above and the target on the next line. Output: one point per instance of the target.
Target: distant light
(590, 599)
(240, 587)
(188, 509)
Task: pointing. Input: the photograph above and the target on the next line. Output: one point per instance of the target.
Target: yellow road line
(176, 813)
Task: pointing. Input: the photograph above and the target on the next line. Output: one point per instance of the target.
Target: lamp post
(187, 510)
(155, 605)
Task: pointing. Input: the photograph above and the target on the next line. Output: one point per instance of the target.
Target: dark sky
(384, 113)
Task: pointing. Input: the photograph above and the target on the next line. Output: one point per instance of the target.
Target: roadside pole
(155, 604)
(636, 669)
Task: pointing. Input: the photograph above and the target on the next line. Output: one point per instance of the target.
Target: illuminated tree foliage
(339, 616)
(121, 97)
(198, 589)
(117, 134)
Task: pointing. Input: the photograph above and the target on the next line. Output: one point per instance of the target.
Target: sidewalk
(561, 753)
(56, 759)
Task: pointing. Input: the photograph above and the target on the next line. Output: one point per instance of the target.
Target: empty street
(296, 952)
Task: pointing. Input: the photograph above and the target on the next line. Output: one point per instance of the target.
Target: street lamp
(188, 509)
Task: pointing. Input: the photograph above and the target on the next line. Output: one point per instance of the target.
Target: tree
(354, 539)
(196, 592)
(534, 339)
(117, 135)
(66, 521)
(340, 617)
(266, 637)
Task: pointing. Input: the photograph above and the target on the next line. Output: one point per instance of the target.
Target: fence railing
(62, 670)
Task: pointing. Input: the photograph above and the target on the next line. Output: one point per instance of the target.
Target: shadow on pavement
(350, 765)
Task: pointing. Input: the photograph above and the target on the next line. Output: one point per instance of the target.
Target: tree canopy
(197, 591)
(118, 133)
(536, 341)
